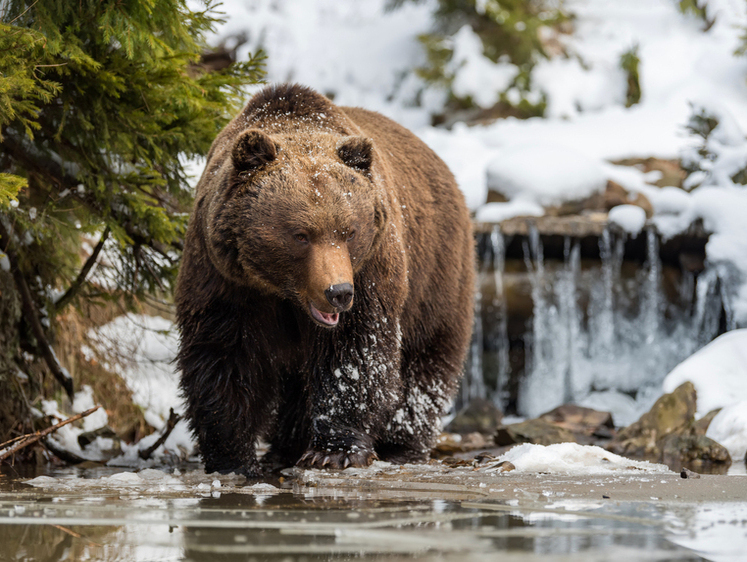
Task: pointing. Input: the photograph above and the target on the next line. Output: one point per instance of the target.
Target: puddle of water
(153, 515)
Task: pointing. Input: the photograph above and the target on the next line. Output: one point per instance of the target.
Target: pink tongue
(331, 318)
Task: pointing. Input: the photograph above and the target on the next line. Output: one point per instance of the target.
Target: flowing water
(601, 333)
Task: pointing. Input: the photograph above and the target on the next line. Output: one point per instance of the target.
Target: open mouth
(324, 318)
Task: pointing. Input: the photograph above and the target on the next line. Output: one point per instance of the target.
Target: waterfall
(602, 334)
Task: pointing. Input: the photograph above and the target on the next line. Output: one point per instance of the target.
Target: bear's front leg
(229, 393)
(226, 423)
(354, 385)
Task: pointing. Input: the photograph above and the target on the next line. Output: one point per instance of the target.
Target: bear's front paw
(355, 456)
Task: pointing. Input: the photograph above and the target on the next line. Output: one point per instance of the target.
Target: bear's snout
(340, 296)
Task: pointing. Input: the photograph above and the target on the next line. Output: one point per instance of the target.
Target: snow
(630, 218)
(545, 173)
(142, 349)
(356, 52)
(572, 458)
(66, 437)
(729, 428)
(519, 207)
(718, 371)
(475, 75)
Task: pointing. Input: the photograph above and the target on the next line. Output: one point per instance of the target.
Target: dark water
(186, 517)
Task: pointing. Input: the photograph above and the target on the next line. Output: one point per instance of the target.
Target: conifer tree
(102, 102)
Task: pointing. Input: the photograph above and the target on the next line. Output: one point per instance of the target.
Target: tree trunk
(11, 406)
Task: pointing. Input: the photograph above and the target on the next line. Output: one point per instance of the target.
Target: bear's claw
(337, 460)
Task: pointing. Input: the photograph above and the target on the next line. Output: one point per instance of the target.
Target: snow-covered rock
(544, 173)
(630, 218)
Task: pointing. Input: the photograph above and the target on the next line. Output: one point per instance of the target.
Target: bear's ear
(253, 149)
(356, 152)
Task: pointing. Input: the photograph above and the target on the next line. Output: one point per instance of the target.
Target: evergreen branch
(32, 317)
(75, 286)
(56, 175)
(27, 440)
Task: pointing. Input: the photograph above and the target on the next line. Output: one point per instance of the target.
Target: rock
(616, 195)
(581, 421)
(536, 431)
(670, 412)
(479, 416)
(701, 426)
(696, 451)
(671, 171)
(668, 433)
(503, 466)
(449, 443)
(687, 473)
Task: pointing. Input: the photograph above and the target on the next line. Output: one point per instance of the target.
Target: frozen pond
(389, 513)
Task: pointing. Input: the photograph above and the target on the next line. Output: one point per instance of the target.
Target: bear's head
(297, 216)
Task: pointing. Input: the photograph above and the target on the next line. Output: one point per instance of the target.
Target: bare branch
(170, 424)
(75, 286)
(27, 440)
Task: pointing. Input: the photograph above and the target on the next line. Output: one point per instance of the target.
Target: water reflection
(292, 527)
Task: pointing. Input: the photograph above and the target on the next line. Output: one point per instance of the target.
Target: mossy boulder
(668, 433)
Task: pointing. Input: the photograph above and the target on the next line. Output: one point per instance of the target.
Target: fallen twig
(27, 440)
(170, 424)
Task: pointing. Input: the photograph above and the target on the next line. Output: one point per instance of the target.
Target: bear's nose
(340, 295)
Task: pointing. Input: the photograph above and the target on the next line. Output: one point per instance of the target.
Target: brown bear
(325, 297)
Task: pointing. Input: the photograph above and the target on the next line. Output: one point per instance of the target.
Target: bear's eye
(351, 235)
(301, 237)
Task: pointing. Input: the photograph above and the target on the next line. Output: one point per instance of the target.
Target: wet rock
(670, 413)
(586, 424)
(687, 473)
(449, 443)
(695, 451)
(668, 433)
(575, 226)
(479, 415)
(503, 466)
(536, 431)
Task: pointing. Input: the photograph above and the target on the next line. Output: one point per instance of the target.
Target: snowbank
(572, 458)
(547, 174)
(718, 371)
(729, 428)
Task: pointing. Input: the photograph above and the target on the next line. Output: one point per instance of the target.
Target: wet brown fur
(299, 195)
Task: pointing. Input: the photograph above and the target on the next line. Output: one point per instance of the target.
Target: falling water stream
(602, 333)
